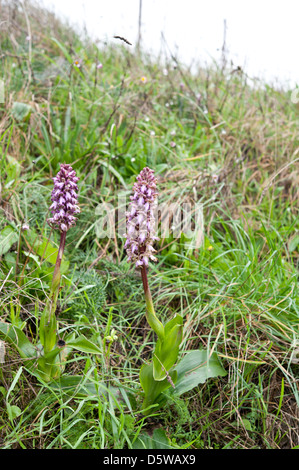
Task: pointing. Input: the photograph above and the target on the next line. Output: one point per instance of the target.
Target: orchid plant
(46, 358)
(64, 207)
(158, 375)
(164, 372)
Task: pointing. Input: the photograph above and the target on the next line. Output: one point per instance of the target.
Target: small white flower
(77, 63)
(152, 133)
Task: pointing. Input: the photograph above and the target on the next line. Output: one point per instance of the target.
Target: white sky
(261, 35)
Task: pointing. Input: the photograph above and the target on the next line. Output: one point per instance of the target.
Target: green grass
(236, 154)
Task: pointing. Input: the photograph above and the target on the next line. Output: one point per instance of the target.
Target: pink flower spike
(140, 219)
(64, 197)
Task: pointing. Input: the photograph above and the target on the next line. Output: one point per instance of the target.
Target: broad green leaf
(78, 385)
(158, 440)
(153, 388)
(8, 236)
(84, 345)
(293, 243)
(21, 111)
(166, 351)
(194, 369)
(10, 260)
(32, 256)
(49, 253)
(13, 411)
(161, 167)
(18, 339)
(45, 250)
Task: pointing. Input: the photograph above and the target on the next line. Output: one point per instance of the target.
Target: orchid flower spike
(141, 219)
(64, 199)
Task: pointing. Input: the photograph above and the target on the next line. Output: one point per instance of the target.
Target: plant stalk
(48, 323)
(151, 317)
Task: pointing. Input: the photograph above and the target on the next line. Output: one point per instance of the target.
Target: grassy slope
(236, 153)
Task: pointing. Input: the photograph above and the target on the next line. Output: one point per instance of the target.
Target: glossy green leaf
(194, 369)
(84, 345)
(166, 351)
(153, 388)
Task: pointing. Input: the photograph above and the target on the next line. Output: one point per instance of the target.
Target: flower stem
(151, 317)
(57, 275)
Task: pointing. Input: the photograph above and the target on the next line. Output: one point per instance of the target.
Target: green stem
(48, 323)
(56, 277)
(151, 317)
(56, 274)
